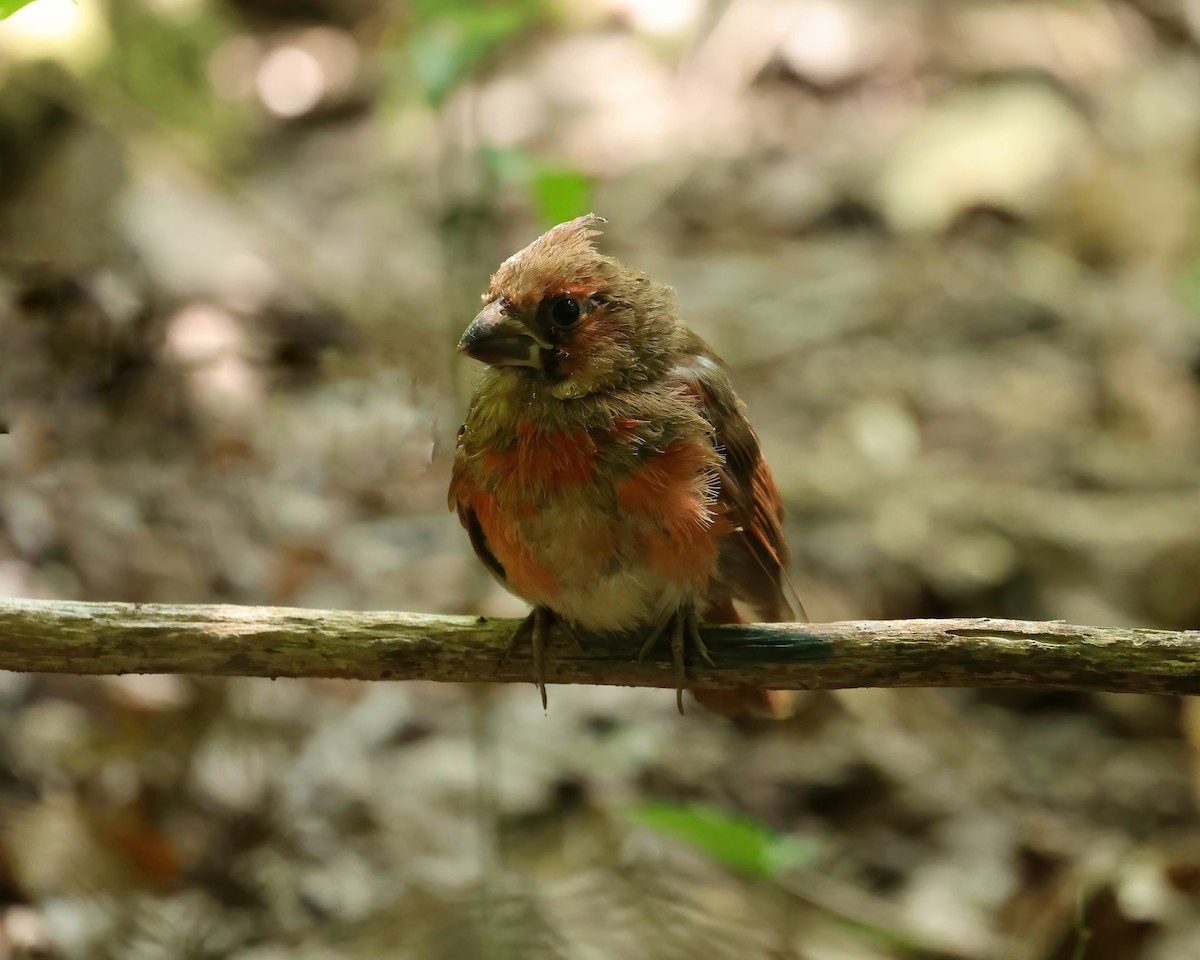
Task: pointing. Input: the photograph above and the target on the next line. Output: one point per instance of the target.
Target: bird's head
(561, 313)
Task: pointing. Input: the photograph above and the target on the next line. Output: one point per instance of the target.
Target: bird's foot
(572, 633)
(536, 628)
(684, 626)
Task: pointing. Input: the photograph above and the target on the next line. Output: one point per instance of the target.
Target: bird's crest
(562, 257)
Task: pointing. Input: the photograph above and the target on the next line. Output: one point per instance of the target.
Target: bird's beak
(498, 339)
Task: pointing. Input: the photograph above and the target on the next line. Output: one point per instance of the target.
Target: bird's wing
(754, 557)
(459, 499)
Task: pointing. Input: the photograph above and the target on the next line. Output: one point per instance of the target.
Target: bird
(606, 472)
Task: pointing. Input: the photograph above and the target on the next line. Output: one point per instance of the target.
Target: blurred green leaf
(506, 164)
(1187, 282)
(561, 194)
(453, 37)
(556, 192)
(738, 842)
(164, 70)
(1083, 933)
(9, 7)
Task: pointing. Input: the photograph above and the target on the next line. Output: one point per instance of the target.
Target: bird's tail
(748, 703)
(743, 703)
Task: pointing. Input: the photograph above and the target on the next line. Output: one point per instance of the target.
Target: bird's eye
(565, 311)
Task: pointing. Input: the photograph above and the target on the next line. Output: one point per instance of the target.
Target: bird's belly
(603, 572)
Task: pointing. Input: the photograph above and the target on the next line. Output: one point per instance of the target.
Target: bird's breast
(610, 536)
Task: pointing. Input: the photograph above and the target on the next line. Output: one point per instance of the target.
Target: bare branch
(112, 638)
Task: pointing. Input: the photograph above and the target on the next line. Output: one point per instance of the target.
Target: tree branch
(111, 638)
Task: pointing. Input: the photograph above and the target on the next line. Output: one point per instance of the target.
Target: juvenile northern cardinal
(606, 472)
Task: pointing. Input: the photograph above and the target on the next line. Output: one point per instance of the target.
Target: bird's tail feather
(743, 703)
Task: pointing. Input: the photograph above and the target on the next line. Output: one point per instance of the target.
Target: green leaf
(556, 192)
(739, 843)
(1187, 282)
(452, 38)
(506, 164)
(9, 7)
(560, 193)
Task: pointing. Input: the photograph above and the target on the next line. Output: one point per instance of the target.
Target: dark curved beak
(496, 338)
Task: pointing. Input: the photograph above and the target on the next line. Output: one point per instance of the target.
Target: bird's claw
(536, 627)
(685, 625)
(652, 640)
(693, 625)
(574, 635)
(523, 632)
(541, 627)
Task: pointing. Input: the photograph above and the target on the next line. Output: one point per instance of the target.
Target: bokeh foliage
(950, 252)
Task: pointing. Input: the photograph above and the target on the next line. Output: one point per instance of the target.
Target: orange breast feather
(501, 532)
(499, 489)
(676, 489)
(542, 461)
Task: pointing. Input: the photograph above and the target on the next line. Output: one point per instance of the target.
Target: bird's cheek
(564, 369)
(569, 389)
(568, 362)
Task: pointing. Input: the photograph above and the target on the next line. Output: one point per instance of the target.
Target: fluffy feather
(615, 479)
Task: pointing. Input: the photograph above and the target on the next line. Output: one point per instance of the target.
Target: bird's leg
(569, 629)
(685, 625)
(693, 626)
(542, 619)
(677, 628)
(652, 640)
(676, 652)
(536, 627)
(523, 632)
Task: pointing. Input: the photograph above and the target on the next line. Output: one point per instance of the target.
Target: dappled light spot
(290, 81)
(75, 33)
(658, 16)
(212, 347)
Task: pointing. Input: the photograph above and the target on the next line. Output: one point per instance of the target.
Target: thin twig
(112, 638)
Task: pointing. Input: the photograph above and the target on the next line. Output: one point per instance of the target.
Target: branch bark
(56, 636)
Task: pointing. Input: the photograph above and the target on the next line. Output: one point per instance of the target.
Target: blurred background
(952, 253)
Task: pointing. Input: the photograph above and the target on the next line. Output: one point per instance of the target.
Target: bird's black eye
(565, 311)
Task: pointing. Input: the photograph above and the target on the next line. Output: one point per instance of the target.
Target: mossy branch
(57, 636)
